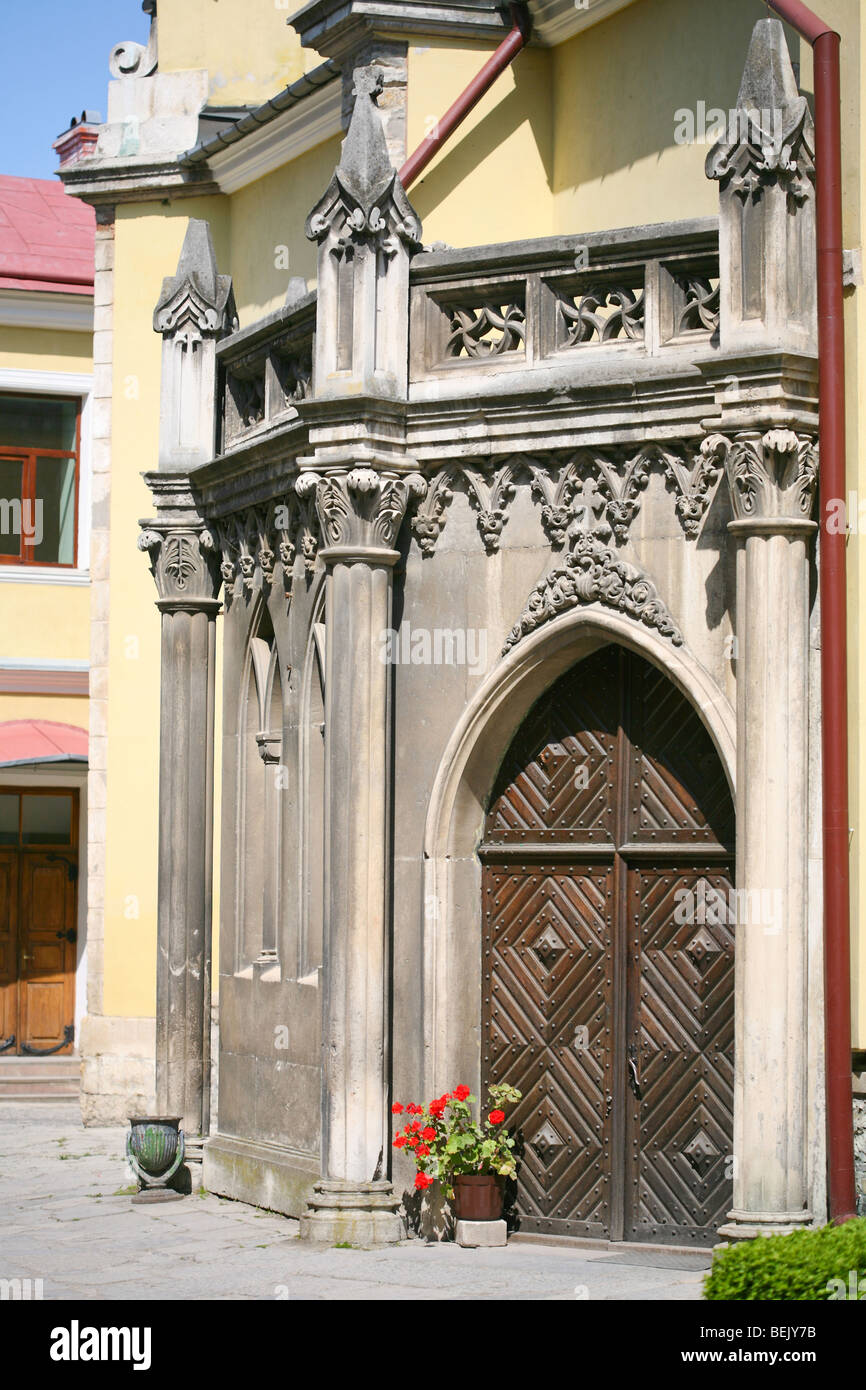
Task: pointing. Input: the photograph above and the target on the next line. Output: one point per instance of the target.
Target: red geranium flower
(399, 1141)
(422, 1181)
(415, 1126)
(462, 1092)
(422, 1151)
(396, 1108)
(428, 1133)
(496, 1117)
(410, 1143)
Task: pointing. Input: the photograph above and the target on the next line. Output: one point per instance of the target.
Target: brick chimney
(79, 140)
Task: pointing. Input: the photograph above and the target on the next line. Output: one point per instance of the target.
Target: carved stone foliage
(182, 561)
(602, 315)
(593, 573)
(363, 507)
(771, 476)
(770, 138)
(619, 477)
(265, 540)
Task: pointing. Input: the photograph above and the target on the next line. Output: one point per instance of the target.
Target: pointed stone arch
(463, 783)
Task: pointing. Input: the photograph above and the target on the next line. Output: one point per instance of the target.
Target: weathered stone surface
(483, 1234)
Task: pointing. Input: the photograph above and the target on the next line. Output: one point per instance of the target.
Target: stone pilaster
(194, 309)
(184, 562)
(362, 482)
(772, 479)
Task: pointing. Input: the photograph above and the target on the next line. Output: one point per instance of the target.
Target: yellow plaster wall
(148, 239)
(617, 88)
(41, 621)
(63, 709)
(45, 350)
(246, 45)
(267, 230)
(492, 179)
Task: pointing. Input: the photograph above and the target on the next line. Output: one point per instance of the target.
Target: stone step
(39, 1078)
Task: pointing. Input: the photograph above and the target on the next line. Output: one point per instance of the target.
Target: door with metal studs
(608, 958)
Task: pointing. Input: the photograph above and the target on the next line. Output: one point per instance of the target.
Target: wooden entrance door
(608, 958)
(38, 880)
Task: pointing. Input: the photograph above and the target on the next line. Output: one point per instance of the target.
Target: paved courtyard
(66, 1218)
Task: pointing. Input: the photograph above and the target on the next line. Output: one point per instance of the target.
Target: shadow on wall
(617, 88)
(518, 103)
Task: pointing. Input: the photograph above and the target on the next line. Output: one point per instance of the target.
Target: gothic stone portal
(608, 962)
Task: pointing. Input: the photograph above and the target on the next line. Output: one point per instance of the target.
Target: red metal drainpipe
(498, 61)
(834, 637)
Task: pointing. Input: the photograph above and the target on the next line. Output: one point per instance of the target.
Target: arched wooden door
(608, 958)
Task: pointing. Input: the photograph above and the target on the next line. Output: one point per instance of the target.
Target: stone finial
(366, 229)
(765, 168)
(195, 309)
(196, 291)
(771, 134)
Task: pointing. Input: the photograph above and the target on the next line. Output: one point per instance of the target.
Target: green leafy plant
(446, 1141)
(819, 1265)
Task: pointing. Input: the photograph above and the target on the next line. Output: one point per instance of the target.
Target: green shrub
(792, 1268)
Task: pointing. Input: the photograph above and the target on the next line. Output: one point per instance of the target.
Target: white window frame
(79, 385)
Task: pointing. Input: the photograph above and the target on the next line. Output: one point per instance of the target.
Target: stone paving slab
(66, 1219)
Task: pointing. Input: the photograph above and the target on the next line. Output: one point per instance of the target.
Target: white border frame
(80, 385)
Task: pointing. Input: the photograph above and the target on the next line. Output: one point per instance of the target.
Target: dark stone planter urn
(155, 1149)
(477, 1197)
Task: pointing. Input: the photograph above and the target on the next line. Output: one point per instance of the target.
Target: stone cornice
(98, 181)
(72, 313)
(557, 21)
(337, 27)
(290, 134)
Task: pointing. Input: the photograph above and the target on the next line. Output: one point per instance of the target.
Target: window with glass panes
(40, 438)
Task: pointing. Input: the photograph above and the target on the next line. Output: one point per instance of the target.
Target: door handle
(633, 1074)
(26, 956)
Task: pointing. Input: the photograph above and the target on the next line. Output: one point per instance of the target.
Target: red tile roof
(41, 741)
(46, 237)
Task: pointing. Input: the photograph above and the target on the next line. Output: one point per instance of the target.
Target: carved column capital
(184, 562)
(181, 547)
(772, 477)
(360, 508)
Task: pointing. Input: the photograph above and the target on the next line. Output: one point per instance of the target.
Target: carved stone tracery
(593, 573)
(621, 476)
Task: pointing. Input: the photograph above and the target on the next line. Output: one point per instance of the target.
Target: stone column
(360, 512)
(362, 481)
(766, 413)
(194, 309)
(773, 479)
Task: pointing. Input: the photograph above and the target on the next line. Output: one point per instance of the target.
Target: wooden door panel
(47, 922)
(681, 793)
(547, 1023)
(557, 781)
(681, 1021)
(8, 949)
(595, 983)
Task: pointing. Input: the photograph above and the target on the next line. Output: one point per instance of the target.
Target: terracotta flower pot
(477, 1197)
